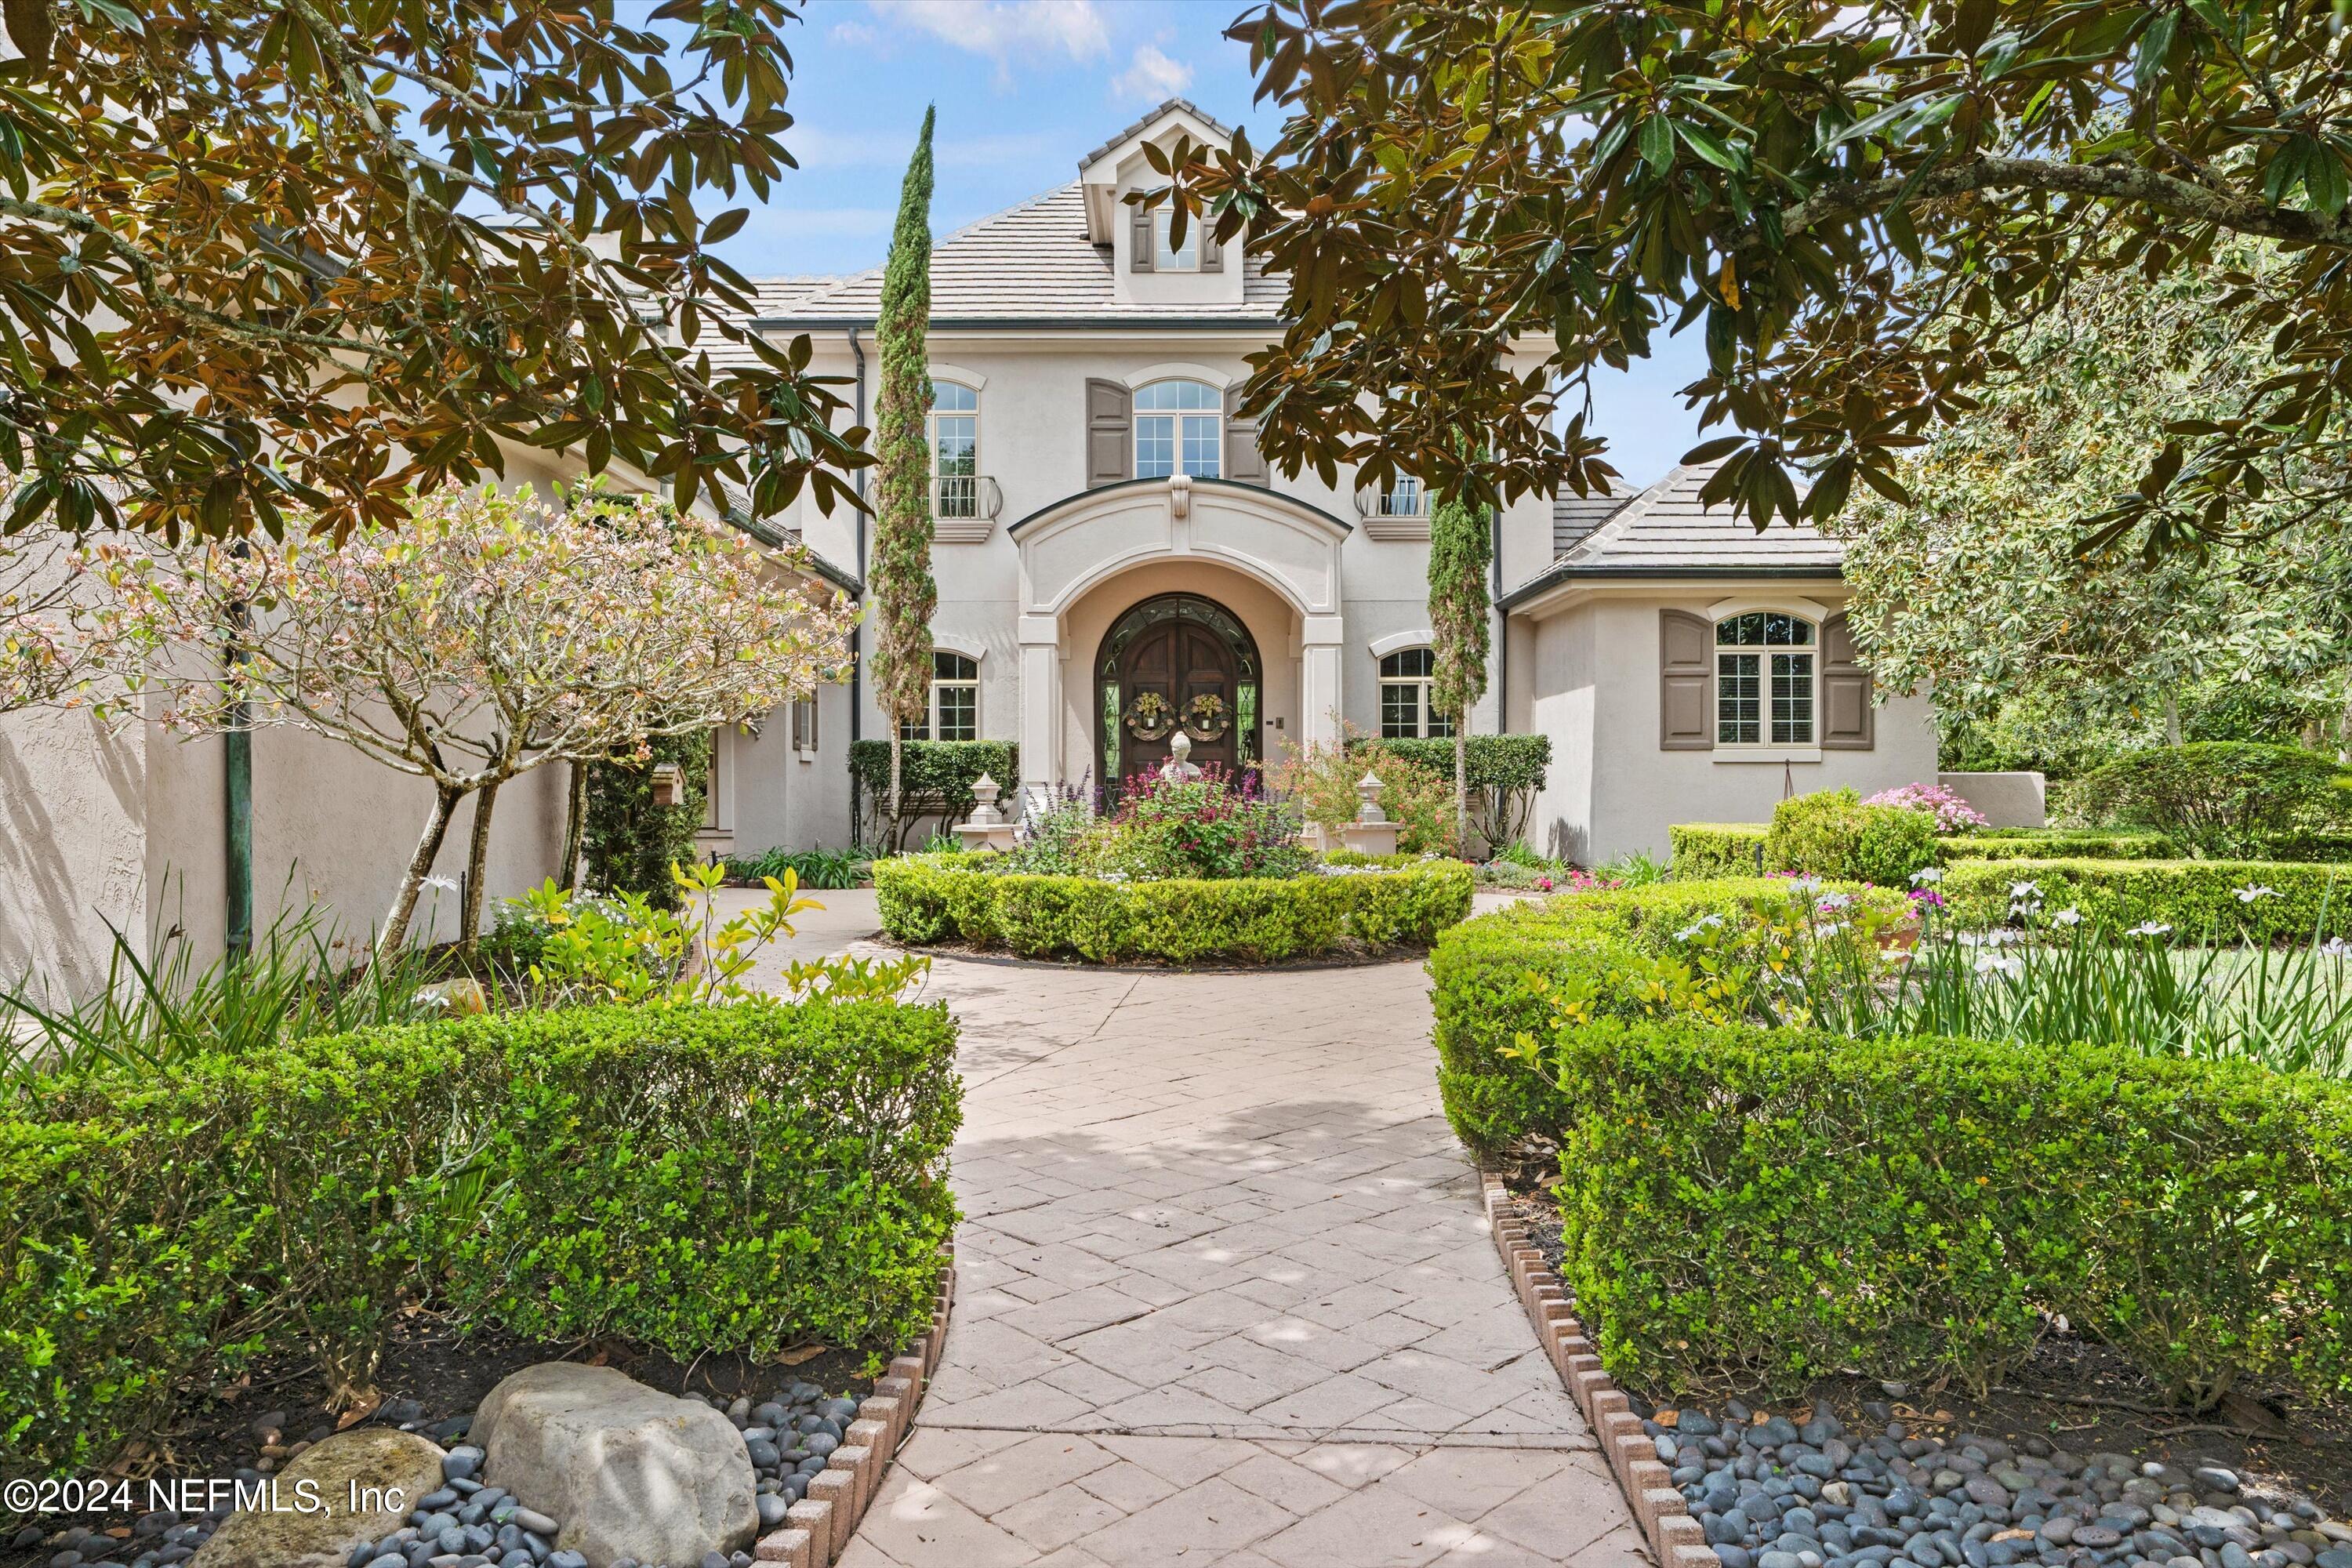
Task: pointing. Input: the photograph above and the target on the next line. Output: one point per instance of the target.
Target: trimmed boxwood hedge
(927, 898)
(1485, 975)
(703, 1180)
(1489, 761)
(1779, 1204)
(1703, 849)
(2193, 896)
(2057, 844)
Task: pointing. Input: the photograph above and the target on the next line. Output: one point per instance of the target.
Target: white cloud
(1152, 75)
(856, 34)
(1002, 31)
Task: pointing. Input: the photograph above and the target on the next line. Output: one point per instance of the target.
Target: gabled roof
(1167, 107)
(1573, 517)
(1667, 532)
(1029, 265)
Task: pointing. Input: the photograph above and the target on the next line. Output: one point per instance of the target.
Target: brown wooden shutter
(1685, 682)
(1212, 255)
(1848, 720)
(1243, 461)
(1139, 239)
(1110, 446)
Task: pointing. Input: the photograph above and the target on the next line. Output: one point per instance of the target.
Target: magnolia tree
(479, 638)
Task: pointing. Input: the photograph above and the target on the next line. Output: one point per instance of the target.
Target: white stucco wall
(1612, 790)
(1032, 394)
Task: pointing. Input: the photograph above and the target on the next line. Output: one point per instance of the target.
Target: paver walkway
(1225, 1296)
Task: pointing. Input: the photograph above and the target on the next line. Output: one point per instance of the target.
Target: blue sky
(1023, 87)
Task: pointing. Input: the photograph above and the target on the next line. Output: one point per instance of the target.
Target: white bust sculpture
(1180, 768)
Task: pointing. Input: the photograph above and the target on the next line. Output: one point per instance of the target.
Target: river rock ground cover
(434, 1379)
(2091, 1472)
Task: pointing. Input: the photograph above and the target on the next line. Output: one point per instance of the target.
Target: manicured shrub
(932, 899)
(1489, 977)
(936, 776)
(2318, 844)
(2058, 844)
(2218, 797)
(2196, 898)
(1775, 1204)
(1830, 833)
(1778, 1205)
(1708, 849)
(704, 1180)
(1504, 773)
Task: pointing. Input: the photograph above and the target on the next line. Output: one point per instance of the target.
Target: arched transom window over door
(1178, 429)
(1766, 663)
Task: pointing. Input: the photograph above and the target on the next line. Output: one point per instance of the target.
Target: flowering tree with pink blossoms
(481, 636)
(53, 651)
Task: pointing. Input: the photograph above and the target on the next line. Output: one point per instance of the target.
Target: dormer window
(1149, 248)
(1168, 258)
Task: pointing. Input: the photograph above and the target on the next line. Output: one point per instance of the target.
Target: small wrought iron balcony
(966, 498)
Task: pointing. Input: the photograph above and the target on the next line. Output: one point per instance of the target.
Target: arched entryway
(1176, 662)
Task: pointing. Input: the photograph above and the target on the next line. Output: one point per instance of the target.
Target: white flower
(2000, 963)
(2150, 928)
(1705, 922)
(2335, 947)
(2247, 895)
(1927, 875)
(1806, 884)
(1830, 901)
(2069, 916)
(2025, 890)
(442, 884)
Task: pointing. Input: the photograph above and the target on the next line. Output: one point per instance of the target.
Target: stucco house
(1107, 532)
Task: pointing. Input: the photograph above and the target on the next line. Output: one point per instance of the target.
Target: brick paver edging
(818, 1527)
(1674, 1537)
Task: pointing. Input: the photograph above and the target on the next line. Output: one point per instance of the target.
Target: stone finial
(985, 791)
(1368, 790)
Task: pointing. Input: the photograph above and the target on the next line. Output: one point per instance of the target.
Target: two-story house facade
(1113, 557)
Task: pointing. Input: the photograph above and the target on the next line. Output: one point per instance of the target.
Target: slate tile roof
(1665, 530)
(1029, 263)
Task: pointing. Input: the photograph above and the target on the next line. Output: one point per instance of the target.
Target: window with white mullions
(1178, 429)
(1167, 258)
(1405, 710)
(955, 450)
(1765, 668)
(954, 712)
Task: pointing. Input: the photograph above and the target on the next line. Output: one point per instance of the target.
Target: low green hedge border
(1778, 1204)
(2194, 897)
(1486, 976)
(1489, 761)
(2057, 844)
(702, 1180)
(928, 898)
(1703, 849)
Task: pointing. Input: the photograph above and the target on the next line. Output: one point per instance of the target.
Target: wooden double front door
(1176, 665)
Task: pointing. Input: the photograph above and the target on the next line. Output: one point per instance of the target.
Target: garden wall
(2005, 799)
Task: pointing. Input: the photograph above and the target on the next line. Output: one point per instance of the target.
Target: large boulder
(625, 1470)
(383, 1470)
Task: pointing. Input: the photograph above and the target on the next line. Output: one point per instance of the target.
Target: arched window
(1405, 712)
(1764, 667)
(954, 707)
(1178, 430)
(955, 450)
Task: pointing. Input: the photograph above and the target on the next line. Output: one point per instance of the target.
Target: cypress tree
(902, 592)
(1460, 552)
